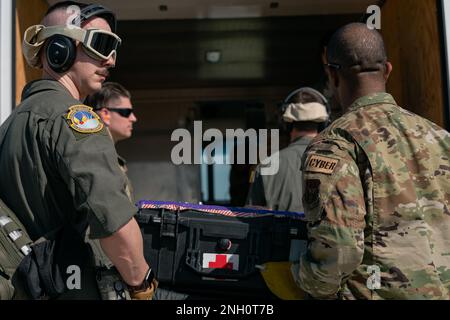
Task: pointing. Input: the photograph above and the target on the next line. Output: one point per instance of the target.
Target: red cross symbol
(220, 263)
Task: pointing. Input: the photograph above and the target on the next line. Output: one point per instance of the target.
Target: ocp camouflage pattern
(386, 205)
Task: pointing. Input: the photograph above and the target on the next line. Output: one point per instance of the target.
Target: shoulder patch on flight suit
(82, 119)
(321, 164)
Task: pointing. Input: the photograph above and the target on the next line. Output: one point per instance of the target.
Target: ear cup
(60, 53)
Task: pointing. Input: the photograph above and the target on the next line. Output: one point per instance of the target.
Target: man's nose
(133, 117)
(110, 62)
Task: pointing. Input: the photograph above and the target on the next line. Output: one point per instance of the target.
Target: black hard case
(175, 241)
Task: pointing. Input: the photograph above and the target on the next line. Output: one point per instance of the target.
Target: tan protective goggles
(100, 43)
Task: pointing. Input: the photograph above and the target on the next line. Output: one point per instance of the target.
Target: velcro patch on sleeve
(321, 164)
(83, 119)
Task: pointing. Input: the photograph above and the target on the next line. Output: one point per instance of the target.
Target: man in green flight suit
(57, 161)
(304, 111)
(376, 188)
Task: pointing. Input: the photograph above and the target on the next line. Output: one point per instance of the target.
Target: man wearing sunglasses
(58, 164)
(113, 105)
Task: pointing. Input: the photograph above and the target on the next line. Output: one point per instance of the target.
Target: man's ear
(387, 71)
(105, 115)
(334, 77)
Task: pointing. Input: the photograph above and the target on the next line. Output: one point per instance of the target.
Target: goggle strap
(71, 32)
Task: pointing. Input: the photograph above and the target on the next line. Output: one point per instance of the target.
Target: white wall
(6, 58)
(446, 15)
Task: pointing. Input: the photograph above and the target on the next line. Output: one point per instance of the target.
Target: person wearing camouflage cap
(304, 111)
(376, 188)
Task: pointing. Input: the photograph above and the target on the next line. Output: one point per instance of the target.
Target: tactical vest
(14, 246)
(34, 269)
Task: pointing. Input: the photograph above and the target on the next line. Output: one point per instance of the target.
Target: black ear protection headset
(289, 126)
(61, 50)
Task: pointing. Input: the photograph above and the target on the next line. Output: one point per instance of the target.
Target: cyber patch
(82, 119)
(321, 164)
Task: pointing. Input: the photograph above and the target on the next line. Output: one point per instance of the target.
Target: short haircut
(65, 4)
(305, 125)
(109, 91)
(355, 45)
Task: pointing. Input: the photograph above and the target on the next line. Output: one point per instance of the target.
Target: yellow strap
(278, 278)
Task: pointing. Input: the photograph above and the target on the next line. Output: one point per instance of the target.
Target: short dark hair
(92, 10)
(109, 91)
(65, 4)
(305, 125)
(355, 45)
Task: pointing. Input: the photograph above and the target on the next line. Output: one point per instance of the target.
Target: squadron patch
(321, 164)
(82, 119)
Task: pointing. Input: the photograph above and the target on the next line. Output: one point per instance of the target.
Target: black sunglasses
(124, 112)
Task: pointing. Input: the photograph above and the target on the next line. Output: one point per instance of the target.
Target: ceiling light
(213, 56)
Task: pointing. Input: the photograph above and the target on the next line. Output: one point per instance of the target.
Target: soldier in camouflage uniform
(376, 188)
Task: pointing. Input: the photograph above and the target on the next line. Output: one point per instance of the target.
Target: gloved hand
(279, 280)
(146, 293)
(146, 290)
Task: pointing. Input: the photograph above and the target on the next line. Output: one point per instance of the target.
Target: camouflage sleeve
(333, 199)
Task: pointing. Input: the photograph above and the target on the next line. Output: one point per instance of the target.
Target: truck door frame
(444, 12)
(7, 58)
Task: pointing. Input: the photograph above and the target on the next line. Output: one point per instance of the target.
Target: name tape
(321, 164)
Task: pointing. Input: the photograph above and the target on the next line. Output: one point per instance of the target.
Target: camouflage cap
(311, 111)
